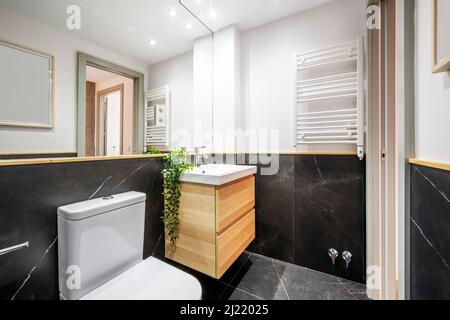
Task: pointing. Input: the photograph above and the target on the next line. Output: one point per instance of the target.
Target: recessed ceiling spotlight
(152, 42)
(213, 14)
(188, 26)
(172, 12)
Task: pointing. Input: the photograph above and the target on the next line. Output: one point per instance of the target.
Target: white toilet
(100, 248)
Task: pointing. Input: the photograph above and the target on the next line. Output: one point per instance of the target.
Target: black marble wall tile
(29, 197)
(274, 186)
(329, 212)
(304, 205)
(308, 204)
(430, 233)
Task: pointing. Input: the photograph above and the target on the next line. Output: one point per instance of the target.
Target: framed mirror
(26, 87)
(124, 78)
(441, 40)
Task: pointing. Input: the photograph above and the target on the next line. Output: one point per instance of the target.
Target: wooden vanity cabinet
(217, 223)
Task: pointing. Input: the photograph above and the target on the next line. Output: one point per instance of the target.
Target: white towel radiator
(157, 120)
(330, 99)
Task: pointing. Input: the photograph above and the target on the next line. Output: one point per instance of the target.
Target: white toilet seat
(150, 279)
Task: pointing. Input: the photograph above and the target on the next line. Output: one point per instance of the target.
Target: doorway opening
(110, 126)
(110, 113)
(95, 74)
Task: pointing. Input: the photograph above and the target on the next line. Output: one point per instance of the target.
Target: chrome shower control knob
(347, 256)
(333, 255)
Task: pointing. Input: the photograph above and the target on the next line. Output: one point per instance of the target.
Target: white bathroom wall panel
(432, 131)
(203, 93)
(226, 109)
(268, 67)
(178, 74)
(28, 33)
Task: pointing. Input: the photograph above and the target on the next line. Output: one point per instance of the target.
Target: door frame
(85, 60)
(117, 88)
(381, 175)
(390, 127)
(405, 135)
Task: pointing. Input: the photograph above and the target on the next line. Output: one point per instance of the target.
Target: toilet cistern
(100, 254)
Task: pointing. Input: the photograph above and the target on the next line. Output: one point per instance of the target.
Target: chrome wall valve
(333, 253)
(347, 256)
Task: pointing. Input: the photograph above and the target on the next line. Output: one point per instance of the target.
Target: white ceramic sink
(218, 174)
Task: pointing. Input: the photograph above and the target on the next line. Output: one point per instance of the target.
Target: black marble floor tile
(212, 289)
(326, 291)
(239, 294)
(294, 279)
(256, 277)
(361, 296)
(259, 277)
(237, 269)
(353, 287)
(321, 286)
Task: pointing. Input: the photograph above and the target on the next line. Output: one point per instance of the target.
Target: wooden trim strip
(4, 163)
(435, 165)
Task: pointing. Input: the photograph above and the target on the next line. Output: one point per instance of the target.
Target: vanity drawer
(233, 241)
(233, 200)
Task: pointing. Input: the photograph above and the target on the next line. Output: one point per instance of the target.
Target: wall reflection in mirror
(102, 78)
(113, 77)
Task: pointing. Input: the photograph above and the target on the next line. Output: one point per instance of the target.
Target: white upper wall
(267, 62)
(203, 93)
(253, 78)
(226, 89)
(432, 131)
(28, 33)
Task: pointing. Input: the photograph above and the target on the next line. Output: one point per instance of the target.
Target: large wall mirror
(103, 78)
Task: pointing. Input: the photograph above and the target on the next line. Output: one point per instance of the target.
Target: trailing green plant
(153, 151)
(176, 163)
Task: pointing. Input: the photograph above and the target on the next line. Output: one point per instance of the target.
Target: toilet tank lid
(89, 208)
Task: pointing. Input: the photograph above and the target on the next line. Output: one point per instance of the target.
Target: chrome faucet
(199, 157)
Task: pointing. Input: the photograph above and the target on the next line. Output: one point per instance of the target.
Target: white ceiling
(98, 75)
(125, 26)
(247, 14)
